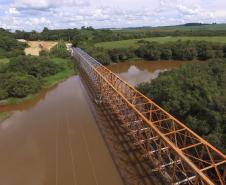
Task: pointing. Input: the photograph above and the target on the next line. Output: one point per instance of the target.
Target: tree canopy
(195, 94)
(176, 50)
(9, 46)
(23, 75)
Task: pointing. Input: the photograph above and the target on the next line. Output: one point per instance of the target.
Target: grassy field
(133, 42)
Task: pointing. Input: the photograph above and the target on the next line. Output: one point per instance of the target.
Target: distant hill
(182, 27)
(194, 24)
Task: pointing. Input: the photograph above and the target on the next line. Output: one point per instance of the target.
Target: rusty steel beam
(174, 149)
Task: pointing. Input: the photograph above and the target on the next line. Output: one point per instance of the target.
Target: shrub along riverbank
(4, 115)
(177, 50)
(195, 94)
(22, 77)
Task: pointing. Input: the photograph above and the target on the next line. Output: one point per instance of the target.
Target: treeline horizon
(101, 35)
(133, 27)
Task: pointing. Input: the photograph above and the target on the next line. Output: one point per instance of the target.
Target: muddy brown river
(53, 139)
(136, 72)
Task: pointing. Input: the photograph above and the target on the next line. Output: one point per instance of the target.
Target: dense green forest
(195, 94)
(22, 76)
(181, 50)
(9, 46)
(25, 75)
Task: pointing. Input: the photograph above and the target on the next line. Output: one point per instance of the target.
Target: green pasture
(133, 42)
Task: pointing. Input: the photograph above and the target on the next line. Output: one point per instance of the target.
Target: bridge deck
(178, 153)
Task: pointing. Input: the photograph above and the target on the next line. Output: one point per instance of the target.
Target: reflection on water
(143, 71)
(135, 76)
(28, 103)
(54, 139)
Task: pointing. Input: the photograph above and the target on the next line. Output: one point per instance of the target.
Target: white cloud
(46, 4)
(35, 14)
(220, 14)
(32, 4)
(13, 12)
(187, 11)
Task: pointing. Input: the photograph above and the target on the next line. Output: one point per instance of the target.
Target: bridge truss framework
(176, 151)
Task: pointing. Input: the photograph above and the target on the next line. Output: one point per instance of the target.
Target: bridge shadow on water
(132, 167)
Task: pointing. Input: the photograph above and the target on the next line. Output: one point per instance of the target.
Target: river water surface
(53, 139)
(142, 71)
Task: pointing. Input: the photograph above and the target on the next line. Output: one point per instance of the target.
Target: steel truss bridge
(179, 154)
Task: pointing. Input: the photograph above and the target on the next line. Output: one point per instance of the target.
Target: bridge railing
(175, 150)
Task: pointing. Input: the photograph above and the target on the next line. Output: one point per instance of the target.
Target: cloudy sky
(35, 14)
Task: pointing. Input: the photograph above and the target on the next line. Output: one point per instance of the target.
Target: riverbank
(68, 70)
(4, 116)
(134, 72)
(43, 136)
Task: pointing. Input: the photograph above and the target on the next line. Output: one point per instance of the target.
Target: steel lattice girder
(171, 146)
